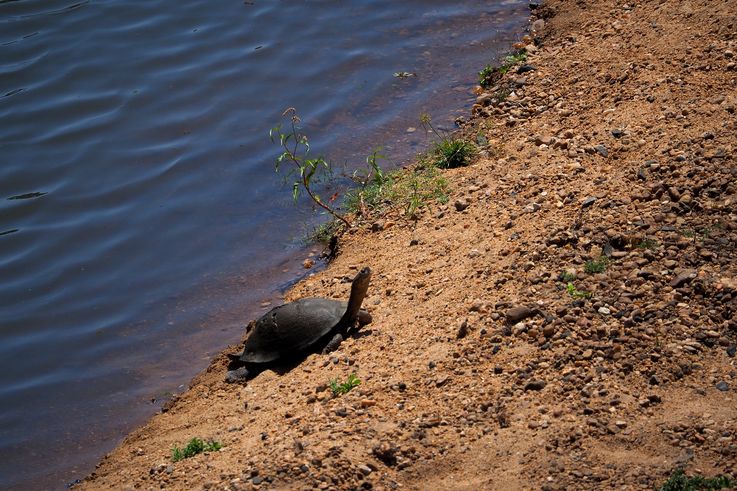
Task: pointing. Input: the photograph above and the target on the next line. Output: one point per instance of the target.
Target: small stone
(462, 330)
(365, 403)
(538, 25)
(732, 350)
(617, 133)
(377, 226)
(525, 69)
(604, 311)
(257, 480)
(620, 424)
(308, 263)
(517, 314)
(461, 204)
(364, 469)
(682, 278)
(654, 398)
(588, 202)
(602, 150)
(723, 386)
(535, 385)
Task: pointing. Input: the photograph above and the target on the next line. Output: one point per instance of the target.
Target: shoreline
(590, 256)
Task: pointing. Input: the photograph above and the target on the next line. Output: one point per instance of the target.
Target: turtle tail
(358, 293)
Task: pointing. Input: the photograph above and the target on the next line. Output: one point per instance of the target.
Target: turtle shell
(292, 328)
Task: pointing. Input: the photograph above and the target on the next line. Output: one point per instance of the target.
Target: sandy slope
(620, 143)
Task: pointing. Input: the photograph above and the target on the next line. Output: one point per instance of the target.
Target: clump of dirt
(592, 272)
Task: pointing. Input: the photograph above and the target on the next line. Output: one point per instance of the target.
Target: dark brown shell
(292, 328)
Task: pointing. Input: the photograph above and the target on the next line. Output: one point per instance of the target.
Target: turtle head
(358, 293)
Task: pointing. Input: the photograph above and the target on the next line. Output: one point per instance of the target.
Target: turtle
(293, 330)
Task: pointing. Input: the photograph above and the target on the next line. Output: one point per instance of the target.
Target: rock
(378, 226)
(731, 351)
(308, 263)
(538, 25)
(461, 204)
(364, 469)
(386, 453)
(525, 69)
(722, 385)
(588, 202)
(617, 133)
(517, 314)
(602, 150)
(236, 376)
(535, 385)
(682, 278)
(462, 330)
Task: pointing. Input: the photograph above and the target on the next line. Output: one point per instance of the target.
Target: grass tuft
(679, 481)
(490, 74)
(598, 266)
(340, 389)
(194, 447)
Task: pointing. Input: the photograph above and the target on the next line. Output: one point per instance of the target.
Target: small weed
(448, 152)
(340, 389)
(194, 447)
(678, 481)
(410, 189)
(323, 232)
(598, 266)
(647, 244)
(572, 291)
(490, 74)
(567, 276)
(296, 153)
(515, 57)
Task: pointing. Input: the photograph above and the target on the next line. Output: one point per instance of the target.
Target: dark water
(141, 222)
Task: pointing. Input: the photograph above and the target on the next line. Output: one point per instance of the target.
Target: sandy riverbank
(619, 144)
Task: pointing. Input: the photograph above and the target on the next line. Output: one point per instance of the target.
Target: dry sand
(620, 143)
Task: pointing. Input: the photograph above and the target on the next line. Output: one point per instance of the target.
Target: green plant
(194, 447)
(678, 481)
(572, 291)
(343, 388)
(647, 244)
(410, 189)
(490, 74)
(597, 266)
(448, 152)
(567, 276)
(296, 151)
(515, 57)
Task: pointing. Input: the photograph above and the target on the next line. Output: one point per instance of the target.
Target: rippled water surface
(141, 222)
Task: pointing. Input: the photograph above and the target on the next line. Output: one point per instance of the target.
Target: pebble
(517, 314)
(308, 263)
(588, 202)
(723, 386)
(602, 150)
(461, 204)
(535, 385)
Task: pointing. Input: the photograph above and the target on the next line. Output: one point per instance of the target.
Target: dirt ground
(498, 358)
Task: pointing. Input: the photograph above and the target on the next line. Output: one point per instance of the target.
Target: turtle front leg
(333, 344)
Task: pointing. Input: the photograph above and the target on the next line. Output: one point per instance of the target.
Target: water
(141, 222)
